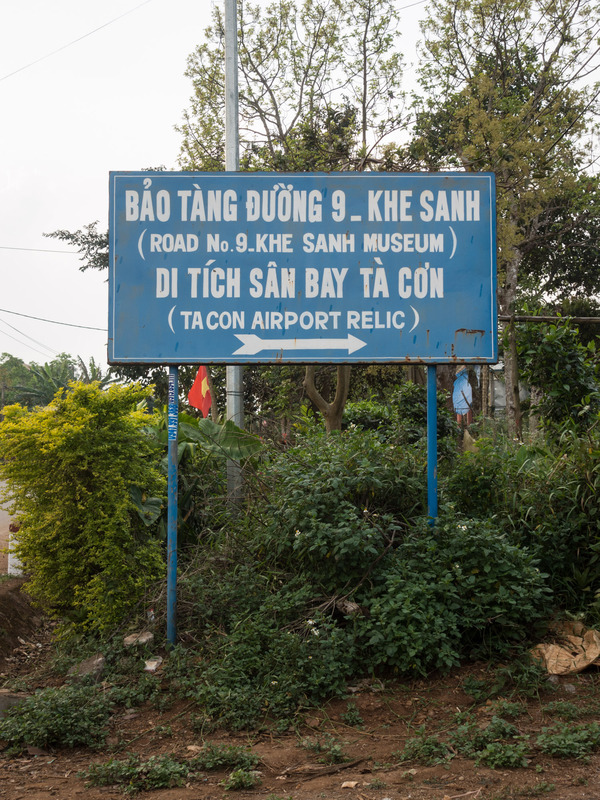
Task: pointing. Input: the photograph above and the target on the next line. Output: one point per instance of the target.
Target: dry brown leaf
(572, 655)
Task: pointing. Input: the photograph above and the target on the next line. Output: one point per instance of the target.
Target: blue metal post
(173, 419)
(432, 493)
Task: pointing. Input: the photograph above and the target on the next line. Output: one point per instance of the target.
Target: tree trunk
(332, 412)
(485, 390)
(511, 380)
(511, 366)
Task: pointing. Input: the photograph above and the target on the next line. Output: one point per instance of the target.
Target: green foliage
(575, 741)
(301, 115)
(330, 520)
(351, 716)
(13, 374)
(559, 513)
(478, 480)
(70, 468)
(469, 740)
(424, 749)
(220, 756)
(337, 501)
(544, 496)
(523, 676)
(540, 788)
(564, 265)
(70, 716)
(261, 671)
(369, 415)
(241, 779)
(508, 708)
(562, 709)
(402, 418)
(134, 775)
(266, 650)
(503, 754)
(470, 591)
(202, 451)
(330, 751)
(410, 402)
(164, 771)
(34, 384)
(498, 744)
(505, 94)
(92, 246)
(225, 441)
(377, 783)
(553, 359)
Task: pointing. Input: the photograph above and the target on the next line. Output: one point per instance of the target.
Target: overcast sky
(85, 88)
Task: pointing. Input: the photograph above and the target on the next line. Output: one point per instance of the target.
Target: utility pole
(235, 385)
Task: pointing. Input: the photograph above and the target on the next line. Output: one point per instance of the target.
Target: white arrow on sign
(252, 344)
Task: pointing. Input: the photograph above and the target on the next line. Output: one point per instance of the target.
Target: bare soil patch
(370, 726)
(21, 625)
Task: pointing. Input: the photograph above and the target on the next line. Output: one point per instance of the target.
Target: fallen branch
(311, 771)
(475, 793)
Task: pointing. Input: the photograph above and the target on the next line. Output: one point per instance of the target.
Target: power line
(54, 321)
(31, 347)
(410, 5)
(38, 250)
(74, 41)
(21, 333)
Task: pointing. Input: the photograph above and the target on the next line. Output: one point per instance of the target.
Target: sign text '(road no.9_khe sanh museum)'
(304, 267)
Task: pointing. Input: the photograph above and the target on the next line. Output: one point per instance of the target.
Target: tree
(565, 263)
(156, 377)
(41, 382)
(318, 67)
(507, 92)
(319, 90)
(92, 246)
(13, 373)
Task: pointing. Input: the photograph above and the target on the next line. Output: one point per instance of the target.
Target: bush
(341, 519)
(165, 771)
(544, 497)
(71, 716)
(553, 359)
(477, 483)
(269, 661)
(71, 468)
(459, 589)
(158, 772)
(558, 523)
(403, 418)
(336, 502)
(569, 741)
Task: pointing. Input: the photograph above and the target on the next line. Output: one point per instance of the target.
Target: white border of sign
(302, 267)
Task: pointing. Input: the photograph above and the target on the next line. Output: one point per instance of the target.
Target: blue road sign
(306, 267)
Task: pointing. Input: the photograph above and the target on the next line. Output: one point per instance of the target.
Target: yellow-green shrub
(70, 467)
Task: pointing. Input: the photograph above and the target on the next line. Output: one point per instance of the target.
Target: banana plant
(221, 442)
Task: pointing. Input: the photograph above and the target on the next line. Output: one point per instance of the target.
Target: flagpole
(234, 374)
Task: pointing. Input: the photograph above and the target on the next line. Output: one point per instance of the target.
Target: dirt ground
(383, 716)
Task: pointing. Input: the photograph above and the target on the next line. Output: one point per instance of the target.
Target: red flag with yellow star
(199, 395)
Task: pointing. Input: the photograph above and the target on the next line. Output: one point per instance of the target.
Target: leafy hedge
(70, 468)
